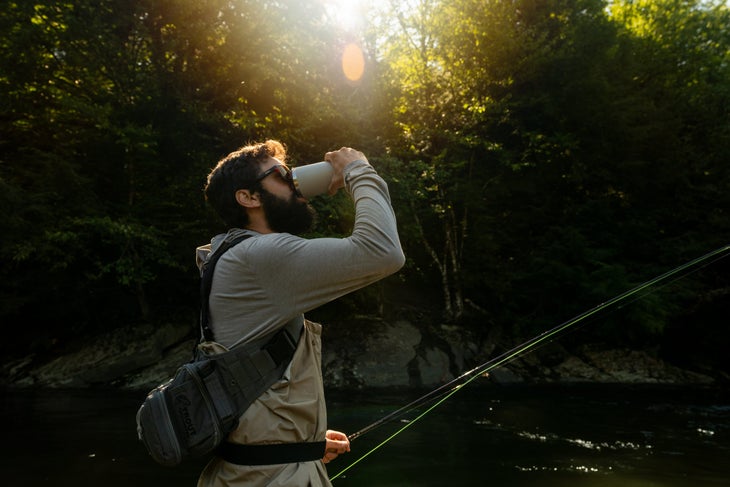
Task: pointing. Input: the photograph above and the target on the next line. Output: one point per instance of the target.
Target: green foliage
(584, 151)
(541, 156)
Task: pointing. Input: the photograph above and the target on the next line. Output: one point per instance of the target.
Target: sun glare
(351, 16)
(348, 15)
(353, 62)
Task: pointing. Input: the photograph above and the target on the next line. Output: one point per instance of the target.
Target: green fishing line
(517, 351)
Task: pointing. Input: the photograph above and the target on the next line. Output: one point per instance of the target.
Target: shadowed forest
(543, 156)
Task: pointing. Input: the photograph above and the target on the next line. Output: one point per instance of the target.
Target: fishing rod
(445, 391)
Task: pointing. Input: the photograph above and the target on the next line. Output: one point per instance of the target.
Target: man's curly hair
(238, 170)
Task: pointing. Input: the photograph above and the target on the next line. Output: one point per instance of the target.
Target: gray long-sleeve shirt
(266, 280)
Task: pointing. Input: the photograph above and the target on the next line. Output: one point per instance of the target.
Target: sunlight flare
(353, 62)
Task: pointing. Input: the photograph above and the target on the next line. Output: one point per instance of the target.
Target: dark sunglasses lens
(285, 172)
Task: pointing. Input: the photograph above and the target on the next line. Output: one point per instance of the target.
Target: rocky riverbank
(364, 352)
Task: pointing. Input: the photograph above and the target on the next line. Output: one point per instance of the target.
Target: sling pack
(192, 413)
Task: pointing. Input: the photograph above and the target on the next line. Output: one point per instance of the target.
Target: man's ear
(247, 199)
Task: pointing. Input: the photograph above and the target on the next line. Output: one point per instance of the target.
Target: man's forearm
(375, 223)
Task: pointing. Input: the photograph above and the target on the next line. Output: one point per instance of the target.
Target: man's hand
(336, 443)
(339, 159)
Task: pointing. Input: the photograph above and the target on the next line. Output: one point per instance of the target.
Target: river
(595, 436)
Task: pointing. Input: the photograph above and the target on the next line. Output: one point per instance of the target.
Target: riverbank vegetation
(542, 156)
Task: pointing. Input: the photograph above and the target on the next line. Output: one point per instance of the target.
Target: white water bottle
(313, 179)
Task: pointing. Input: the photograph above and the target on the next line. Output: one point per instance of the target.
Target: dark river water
(493, 436)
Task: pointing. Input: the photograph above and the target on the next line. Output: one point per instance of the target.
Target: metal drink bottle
(313, 179)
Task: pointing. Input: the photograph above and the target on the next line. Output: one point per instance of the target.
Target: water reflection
(547, 436)
(592, 436)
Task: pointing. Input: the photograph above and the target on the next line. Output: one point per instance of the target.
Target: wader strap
(271, 454)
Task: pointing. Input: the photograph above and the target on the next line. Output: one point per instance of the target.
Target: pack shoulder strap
(293, 327)
(249, 368)
(206, 283)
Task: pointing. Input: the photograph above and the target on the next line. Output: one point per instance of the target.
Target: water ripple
(587, 444)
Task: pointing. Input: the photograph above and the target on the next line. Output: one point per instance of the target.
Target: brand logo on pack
(183, 405)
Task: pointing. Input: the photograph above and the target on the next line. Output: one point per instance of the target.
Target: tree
(115, 111)
(437, 159)
(542, 156)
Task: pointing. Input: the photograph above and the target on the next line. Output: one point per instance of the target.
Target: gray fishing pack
(192, 413)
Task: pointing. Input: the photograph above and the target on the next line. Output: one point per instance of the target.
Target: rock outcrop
(362, 353)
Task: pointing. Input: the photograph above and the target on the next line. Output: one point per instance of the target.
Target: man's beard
(287, 215)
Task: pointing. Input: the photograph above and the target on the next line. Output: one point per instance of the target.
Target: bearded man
(270, 279)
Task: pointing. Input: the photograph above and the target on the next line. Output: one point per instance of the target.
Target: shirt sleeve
(306, 273)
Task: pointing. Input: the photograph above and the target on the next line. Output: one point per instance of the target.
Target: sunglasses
(283, 171)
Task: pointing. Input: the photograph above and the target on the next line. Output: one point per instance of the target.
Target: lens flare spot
(353, 62)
